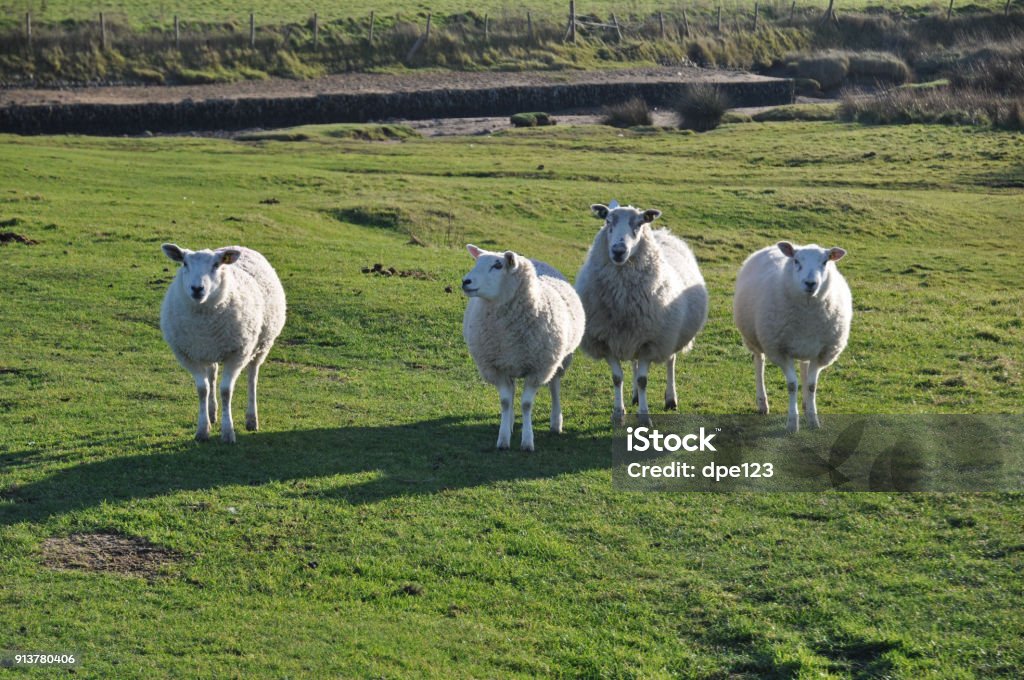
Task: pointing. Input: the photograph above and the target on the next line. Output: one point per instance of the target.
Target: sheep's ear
(600, 211)
(229, 256)
(787, 248)
(474, 251)
(836, 254)
(651, 215)
(174, 252)
(511, 259)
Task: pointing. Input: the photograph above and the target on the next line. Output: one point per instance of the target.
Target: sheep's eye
(496, 265)
(798, 266)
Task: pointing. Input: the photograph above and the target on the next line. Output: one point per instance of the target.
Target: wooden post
(686, 25)
(426, 34)
(28, 29)
(252, 30)
(487, 29)
(177, 34)
(618, 31)
(757, 11)
(792, 11)
(830, 13)
(572, 21)
(373, 19)
(949, 12)
(316, 31)
(661, 24)
(420, 42)
(719, 18)
(1006, 9)
(529, 26)
(103, 31)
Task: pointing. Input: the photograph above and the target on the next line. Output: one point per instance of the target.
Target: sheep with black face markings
(644, 298)
(523, 320)
(793, 306)
(224, 306)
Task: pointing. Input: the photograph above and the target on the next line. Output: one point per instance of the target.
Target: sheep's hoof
(527, 447)
(251, 423)
(813, 424)
(644, 419)
(762, 408)
(792, 425)
(228, 437)
(202, 436)
(671, 405)
(502, 446)
(618, 418)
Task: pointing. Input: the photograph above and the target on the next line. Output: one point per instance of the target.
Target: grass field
(140, 12)
(370, 530)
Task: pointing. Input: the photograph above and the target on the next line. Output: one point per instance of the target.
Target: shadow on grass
(418, 458)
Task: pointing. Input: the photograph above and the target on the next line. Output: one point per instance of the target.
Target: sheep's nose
(810, 286)
(197, 292)
(618, 252)
(467, 282)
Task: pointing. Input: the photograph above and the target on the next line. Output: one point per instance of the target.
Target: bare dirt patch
(111, 553)
(12, 237)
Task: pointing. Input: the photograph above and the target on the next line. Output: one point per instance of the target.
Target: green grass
(370, 530)
(140, 12)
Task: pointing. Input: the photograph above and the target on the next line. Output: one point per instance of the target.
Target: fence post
(28, 29)
(316, 32)
(719, 18)
(177, 34)
(252, 30)
(529, 26)
(1006, 9)
(686, 25)
(949, 12)
(487, 28)
(103, 31)
(830, 13)
(420, 41)
(373, 19)
(661, 24)
(618, 31)
(757, 11)
(572, 21)
(792, 11)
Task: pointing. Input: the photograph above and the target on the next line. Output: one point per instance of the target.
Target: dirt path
(360, 83)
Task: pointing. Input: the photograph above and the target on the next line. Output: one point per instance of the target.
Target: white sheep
(793, 305)
(223, 306)
(644, 298)
(523, 320)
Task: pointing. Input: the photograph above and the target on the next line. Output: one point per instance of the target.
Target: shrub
(701, 108)
(629, 113)
(532, 119)
(828, 68)
(797, 112)
(878, 67)
(945, 106)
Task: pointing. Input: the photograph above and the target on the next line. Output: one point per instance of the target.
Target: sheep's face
(201, 273)
(487, 278)
(624, 227)
(809, 266)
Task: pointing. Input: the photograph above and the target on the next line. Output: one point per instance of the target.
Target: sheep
(523, 320)
(644, 298)
(223, 306)
(793, 305)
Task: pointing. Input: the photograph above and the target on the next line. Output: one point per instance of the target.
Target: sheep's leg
(203, 387)
(759, 391)
(232, 368)
(507, 392)
(618, 410)
(636, 395)
(640, 376)
(211, 379)
(810, 375)
(789, 368)
(252, 421)
(671, 402)
(529, 392)
(556, 402)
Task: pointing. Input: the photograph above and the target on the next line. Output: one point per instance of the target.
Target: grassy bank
(370, 529)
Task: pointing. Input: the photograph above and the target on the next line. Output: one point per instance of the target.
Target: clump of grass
(797, 112)
(533, 119)
(832, 68)
(946, 106)
(631, 113)
(701, 108)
